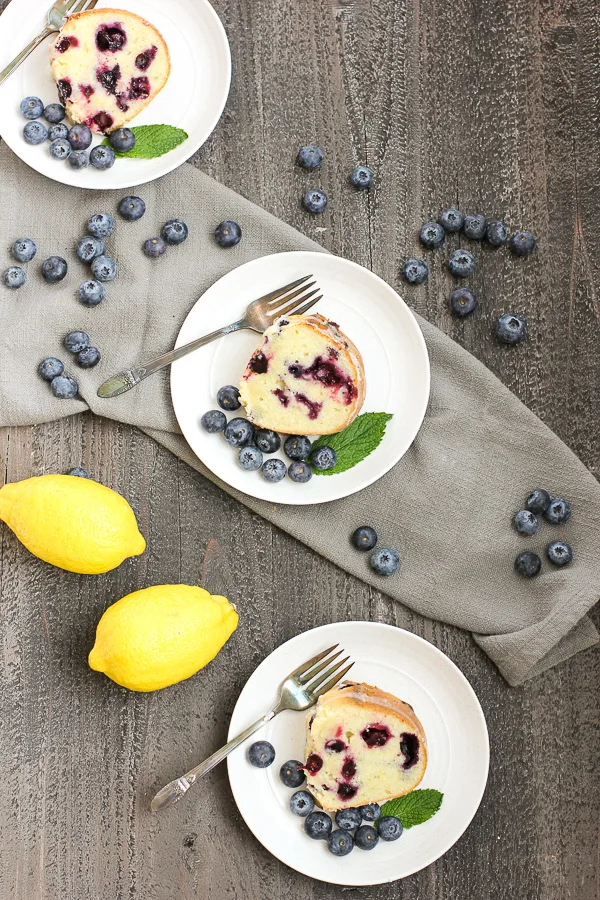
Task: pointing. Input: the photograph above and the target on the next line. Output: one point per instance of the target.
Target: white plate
(367, 309)
(193, 97)
(457, 741)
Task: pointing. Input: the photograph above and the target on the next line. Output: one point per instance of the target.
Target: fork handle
(25, 53)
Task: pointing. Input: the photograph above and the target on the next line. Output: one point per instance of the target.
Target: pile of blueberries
(527, 522)
(315, 200)
(318, 825)
(90, 249)
(63, 385)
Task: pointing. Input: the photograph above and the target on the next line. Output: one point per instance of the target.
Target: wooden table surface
(491, 106)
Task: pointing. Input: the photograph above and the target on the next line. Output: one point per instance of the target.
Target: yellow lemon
(73, 523)
(161, 635)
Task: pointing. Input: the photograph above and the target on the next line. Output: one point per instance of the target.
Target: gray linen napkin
(448, 503)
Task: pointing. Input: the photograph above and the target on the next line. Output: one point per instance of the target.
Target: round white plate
(193, 97)
(367, 309)
(457, 742)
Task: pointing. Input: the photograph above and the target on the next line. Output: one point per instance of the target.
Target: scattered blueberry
(88, 248)
(461, 263)
(239, 432)
(385, 561)
(389, 828)
(14, 277)
(366, 837)
(362, 177)
(24, 249)
(104, 268)
(79, 159)
(54, 269)
(154, 247)
(526, 522)
(310, 157)
(101, 225)
(132, 208)
(60, 149)
(432, 235)
(538, 501)
(63, 387)
(558, 511)
(523, 243)
(266, 440)
(474, 227)
(302, 803)
(88, 358)
(175, 231)
(54, 113)
(323, 458)
(496, 233)
(300, 471)
(415, 271)
(318, 826)
(340, 843)
(250, 459)
(32, 107)
(76, 341)
(228, 397)
(102, 157)
(58, 133)
(463, 302)
(122, 140)
(370, 812)
(528, 564)
(228, 233)
(80, 137)
(273, 470)
(559, 553)
(297, 446)
(50, 368)
(348, 819)
(364, 538)
(214, 421)
(314, 200)
(292, 774)
(35, 133)
(261, 754)
(451, 220)
(78, 472)
(511, 328)
(90, 293)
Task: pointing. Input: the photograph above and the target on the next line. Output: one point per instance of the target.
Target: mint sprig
(152, 141)
(355, 442)
(414, 808)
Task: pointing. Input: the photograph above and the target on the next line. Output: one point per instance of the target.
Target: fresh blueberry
(175, 231)
(80, 137)
(239, 432)
(88, 358)
(267, 441)
(302, 804)
(273, 470)
(526, 522)
(228, 233)
(154, 247)
(88, 248)
(385, 561)
(323, 458)
(474, 227)
(523, 243)
(104, 268)
(78, 472)
(58, 133)
(76, 341)
(79, 159)
(364, 538)
(461, 263)
(496, 233)
(54, 113)
(102, 157)
(318, 826)
(297, 446)
(250, 459)
(214, 421)
(60, 149)
(314, 200)
(415, 271)
(50, 368)
(23, 250)
(389, 828)
(228, 397)
(432, 235)
(122, 140)
(558, 511)
(32, 107)
(63, 387)
(451, 220)
(511, 328)
(310, 157)
(366, 837)
(340, 843)
(538, 501)
(463, 302)
(300, 471)
(132, 208)
(14, 277)
(292, 773)
(528, 564)
(35, 133)
(90, 293)
(54, 269)
(362, 177)
(559, 553)
(261, 754)
(348, 819)
(370, 812)
(101, 225)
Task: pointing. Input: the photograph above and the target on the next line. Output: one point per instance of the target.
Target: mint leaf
(355, 442)
(414, 808)
(152, 141)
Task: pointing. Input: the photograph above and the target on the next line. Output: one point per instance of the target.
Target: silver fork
(300, 690)
(54, 22)
(292, 299)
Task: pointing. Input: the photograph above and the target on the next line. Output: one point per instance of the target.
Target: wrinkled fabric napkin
(447, 505)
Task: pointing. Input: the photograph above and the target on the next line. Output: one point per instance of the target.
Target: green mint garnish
(414, 808)
(355, 442)
(152, 141)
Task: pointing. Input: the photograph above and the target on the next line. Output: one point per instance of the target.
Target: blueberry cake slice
(363, 746)
(305, 378)
(108, 65)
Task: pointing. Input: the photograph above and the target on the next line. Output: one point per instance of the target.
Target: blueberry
(239, 432)
(35, 133)
(228, 397)
(14, 277)
(261, 754)
(102, 157)
(58, 133)
(310, 157)
(104, 268)
(364, 538)
(122, 140)
(318, 826)
(389, 828)
(88, 248)
(474, 227)
(297, 446)
(511, 328)
(523, 243)
(348, 819)
(362, 177)
(88, 358)
(292, 773)
(451, 220)
(63, 387)
(24, 249)
(228, 233)
(175, 231)
(213, 421)
(54, 113)
(528, 564)
(76, 341)
(432, 235)
(54, 269)
(340, 843)
(558, 511)
(370, 812)
(302, 803)
(32, 107)
(90, 293)
(154, 247)
(323, 458)
(559, 553)
(132, 208)
(366, 837)
(538, 501)
(50, 368)
(267, 441)
(80, 137)
(496, 233)
(250, 459)
(385, 561)
(463, 302)
(273, 470)
(314, 200)
(300, 471)
(79, 159)
(415, 271)
(461, 263)
(78, 472)
(526, 522)
(60, 149)
(101, 225)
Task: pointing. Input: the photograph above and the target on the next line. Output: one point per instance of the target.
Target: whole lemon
(161, 635)
(73, 523)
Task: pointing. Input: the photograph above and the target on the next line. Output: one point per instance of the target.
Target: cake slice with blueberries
(363, 746)
(108, 65)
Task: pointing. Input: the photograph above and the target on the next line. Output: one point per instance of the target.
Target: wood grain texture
(493, 107)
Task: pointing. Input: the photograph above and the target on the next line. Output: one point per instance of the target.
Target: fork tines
(79, 6)
(286, 299)
(328, 660)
